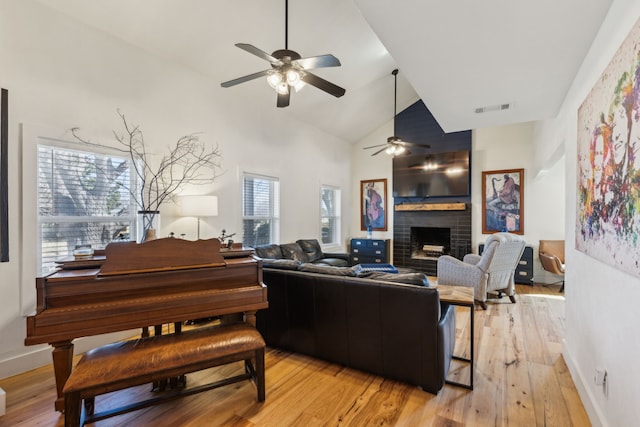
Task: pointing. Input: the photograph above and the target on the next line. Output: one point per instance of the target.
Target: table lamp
(198, 206)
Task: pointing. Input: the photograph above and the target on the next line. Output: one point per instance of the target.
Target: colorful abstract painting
(608, 214)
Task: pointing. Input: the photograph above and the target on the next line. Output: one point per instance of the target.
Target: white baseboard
(3, 402)
(36, 357)
(584, 390)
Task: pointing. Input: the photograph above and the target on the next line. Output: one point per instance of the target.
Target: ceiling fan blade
(259, 53)
(415, 144)
(245, 78)
(375, 146)
(320, 61)
(323, 84)
(379, 151)
(283, 99)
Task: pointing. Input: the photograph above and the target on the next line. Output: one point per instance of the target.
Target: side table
(460, 296)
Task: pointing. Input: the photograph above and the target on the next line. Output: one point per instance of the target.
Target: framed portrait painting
(373, 204)
(503, 201)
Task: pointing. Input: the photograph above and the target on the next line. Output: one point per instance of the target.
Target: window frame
(274, 209)
(337, 217)
(40, 220)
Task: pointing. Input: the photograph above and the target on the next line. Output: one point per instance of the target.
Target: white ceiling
(457, 55)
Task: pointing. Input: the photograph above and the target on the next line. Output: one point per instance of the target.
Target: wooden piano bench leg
(260, 381)
(72, 409)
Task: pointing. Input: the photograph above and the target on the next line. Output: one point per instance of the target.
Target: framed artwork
(4, 185)
(503, 201)
(373, 204)
(608, 162)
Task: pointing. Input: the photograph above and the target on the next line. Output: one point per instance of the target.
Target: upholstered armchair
(493, 271)
(551, 254)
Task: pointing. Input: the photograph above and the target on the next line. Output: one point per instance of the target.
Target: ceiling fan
(289, 70)
(395, 145)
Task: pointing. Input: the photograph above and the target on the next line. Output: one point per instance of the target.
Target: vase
(148, 225)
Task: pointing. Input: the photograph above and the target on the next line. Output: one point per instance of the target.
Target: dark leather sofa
(304, 251)
(399, 331)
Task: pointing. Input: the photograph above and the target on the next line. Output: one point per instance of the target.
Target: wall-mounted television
(446, 174)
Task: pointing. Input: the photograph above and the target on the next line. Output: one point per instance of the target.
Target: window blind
(83, 199)
(260, 210)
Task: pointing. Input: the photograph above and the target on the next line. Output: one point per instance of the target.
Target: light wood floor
(520, 379)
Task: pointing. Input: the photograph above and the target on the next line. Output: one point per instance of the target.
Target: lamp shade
(198, 206)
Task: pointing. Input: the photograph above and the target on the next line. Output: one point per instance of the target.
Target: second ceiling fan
(395, 145)
(289, 70)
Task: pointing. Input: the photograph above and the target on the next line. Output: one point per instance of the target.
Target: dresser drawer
(365, 251)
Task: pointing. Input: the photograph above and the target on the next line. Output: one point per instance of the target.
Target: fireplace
(421, 236)
(429, 243)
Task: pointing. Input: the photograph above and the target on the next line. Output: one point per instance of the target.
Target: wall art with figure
(608, 205)
(373, 204)
(503, 201)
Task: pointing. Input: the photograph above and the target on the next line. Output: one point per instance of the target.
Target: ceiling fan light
(399, 149)
(293, 77)
(298, 87)
(282, 88)
(274, 79)
(390, 150)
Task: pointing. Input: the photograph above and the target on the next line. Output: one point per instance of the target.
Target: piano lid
(159, 255)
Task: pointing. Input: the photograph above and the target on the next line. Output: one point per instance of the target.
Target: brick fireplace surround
(425, 222)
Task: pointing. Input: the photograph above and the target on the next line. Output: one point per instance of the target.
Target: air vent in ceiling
(497, 107)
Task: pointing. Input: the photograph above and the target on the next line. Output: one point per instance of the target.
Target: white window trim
(338, 237)
(275, 236)
(31, 133)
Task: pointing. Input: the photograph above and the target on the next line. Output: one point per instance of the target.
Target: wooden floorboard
(520, 379)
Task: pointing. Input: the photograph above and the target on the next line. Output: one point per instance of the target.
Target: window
(330, 214)
(260, 210)
(83, 199)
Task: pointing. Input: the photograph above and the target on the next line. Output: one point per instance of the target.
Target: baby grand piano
(138, 285)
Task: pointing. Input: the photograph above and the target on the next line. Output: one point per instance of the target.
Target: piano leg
(250, 318)
(62, 364)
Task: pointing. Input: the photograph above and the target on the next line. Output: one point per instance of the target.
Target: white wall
(365, 168)
(601, 302)
(62, 74)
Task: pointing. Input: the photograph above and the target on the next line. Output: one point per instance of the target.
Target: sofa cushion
(312, 248)
(269, 251)
(327, 269)
(335, 262)
(284, 264)
(407, 278)
(294, 251)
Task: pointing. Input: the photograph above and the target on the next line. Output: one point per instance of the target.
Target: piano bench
(126, 364)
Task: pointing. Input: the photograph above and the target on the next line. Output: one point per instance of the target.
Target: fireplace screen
(430, 242)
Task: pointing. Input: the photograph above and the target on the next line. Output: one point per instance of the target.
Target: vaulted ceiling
(456, 56)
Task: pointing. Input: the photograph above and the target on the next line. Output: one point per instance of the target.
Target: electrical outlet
(600, 378)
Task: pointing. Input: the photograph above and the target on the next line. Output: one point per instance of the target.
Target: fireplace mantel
(430, 207)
